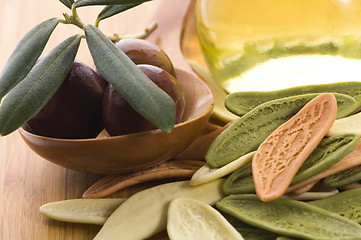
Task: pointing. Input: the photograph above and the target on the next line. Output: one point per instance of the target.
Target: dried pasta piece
(89, 211)
(280, 156)
(144, 214)
(170, 169)
(291, 218)
(305, 188)
(350, 160)
(345, 203)
(207, 174)
(192, 219)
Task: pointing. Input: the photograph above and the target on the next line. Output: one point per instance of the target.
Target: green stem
(74, 12)
(141, 35)
(97, 21)
(70, 19)
(73, 18)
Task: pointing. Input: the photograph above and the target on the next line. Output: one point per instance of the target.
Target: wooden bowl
(127, 153)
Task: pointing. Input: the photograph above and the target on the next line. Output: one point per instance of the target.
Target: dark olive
(143, 52)
(75, 111)
(119, 117)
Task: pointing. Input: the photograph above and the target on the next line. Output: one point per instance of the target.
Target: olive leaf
(67, 3)
(25, 55)
(139, 91)
(112, 10)
(28, 97)
(82, 3)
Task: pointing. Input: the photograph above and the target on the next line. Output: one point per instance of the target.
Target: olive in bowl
(143, 52)
(131, 152)
(120, 118)
(75, 111)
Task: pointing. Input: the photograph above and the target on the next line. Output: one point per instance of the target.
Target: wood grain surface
(26, 180)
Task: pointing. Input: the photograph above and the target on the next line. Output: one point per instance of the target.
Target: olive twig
(141, 35)
(73, 18)
(74, 12)
(97, 22)
(70, 19)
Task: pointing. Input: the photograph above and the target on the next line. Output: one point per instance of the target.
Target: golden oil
(237, 36)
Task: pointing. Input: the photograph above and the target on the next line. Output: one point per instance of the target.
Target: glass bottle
(272, 44)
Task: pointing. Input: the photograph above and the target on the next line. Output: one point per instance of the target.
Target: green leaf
(141, 93)
(25, 55)
(67, 3)
(112, 10)
(27, 98)
(82, 3)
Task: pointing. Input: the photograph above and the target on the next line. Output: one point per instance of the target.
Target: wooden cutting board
(26, 180)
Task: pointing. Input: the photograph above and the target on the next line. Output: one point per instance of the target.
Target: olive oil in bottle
(269, 45)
